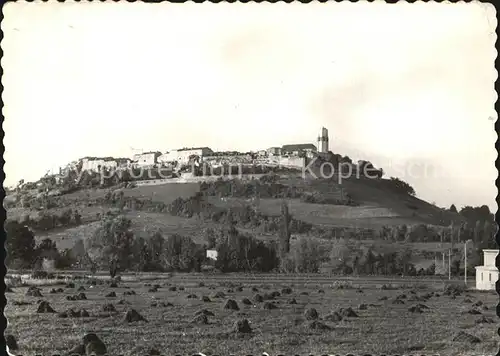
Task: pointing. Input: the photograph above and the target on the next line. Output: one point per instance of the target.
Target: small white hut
(487, 274)
(212, 254)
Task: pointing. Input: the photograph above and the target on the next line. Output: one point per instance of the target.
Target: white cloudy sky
(401, 85)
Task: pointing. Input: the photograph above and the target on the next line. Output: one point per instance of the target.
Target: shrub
(307, 255)
(112, 241)
(20, 245)
(400, 186)
(238, 252)
(65, 260)
(454, 288)
(182, 254)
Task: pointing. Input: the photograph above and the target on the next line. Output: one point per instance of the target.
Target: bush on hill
(267, 188)
(241, 252)
(398, 186)
(112, 241)
(307, 256)
(182, 254)
(20, 245)
(46, 220)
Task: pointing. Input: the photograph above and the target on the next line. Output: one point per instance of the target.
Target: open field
(165, 193)
(383, 327)
(365, 216)
(143, 223)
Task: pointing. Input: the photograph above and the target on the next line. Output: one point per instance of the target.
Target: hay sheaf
(335, 317)
(133, 316)
(242, 326)
(231, 305)
(269, 306)
(347, 313)
(44, 307)
(311, 314)
(317, 325)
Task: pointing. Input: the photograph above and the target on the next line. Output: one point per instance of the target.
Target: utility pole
(465, 261)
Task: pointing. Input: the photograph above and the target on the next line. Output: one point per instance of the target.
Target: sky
(409, 87)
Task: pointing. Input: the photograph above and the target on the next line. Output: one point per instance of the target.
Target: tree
(181, 253)
(65, 217)
(307, 255)
(453, 208)
(47, 249)
(112, 244)
(346, 159)
(473, 214)
(478, 232)
(339, 255)
(488, 237)
(370, 260)
(402, 261)
(152, 252)
(285, 233)
(20, 244)
(455, 266)
(401, 186)
(77, 217)
(211, 238)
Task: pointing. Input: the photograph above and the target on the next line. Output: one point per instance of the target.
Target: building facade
(487, 274)
(301, 149)
(97, 163)
(146, 159)
(274, 151)
(182, 155)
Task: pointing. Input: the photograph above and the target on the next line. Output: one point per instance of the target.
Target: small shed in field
(212, 254)
(487, 274)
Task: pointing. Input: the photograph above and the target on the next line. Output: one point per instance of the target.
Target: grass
(386, 328)
(378, 207)
(303, 210)
(143, 223)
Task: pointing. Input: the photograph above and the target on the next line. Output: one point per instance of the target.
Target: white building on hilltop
(146, 159)
(487, 274)
(182, 155)
(97, 163)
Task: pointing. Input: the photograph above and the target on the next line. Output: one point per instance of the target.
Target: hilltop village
(198, 161)
(290, 155)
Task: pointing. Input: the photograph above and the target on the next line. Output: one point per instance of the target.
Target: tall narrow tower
(323, 141)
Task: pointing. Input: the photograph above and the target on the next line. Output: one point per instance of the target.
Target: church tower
(323, 141)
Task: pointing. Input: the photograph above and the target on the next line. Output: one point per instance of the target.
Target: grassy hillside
(377, 206)
(373, 192)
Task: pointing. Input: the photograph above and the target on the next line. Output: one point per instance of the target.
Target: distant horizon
(410, 89)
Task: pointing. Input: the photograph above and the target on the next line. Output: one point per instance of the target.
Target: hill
(373, 205)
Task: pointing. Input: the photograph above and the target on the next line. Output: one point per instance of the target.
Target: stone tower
(323, 141)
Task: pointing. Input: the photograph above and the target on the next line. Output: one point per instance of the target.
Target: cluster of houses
(182, 156)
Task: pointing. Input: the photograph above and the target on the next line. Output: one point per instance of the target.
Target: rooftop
(298, 147)
(99, 158)
(193, 148)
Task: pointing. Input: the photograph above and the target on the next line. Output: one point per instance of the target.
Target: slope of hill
(376, 206)
(376, 203)
(371, 191)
